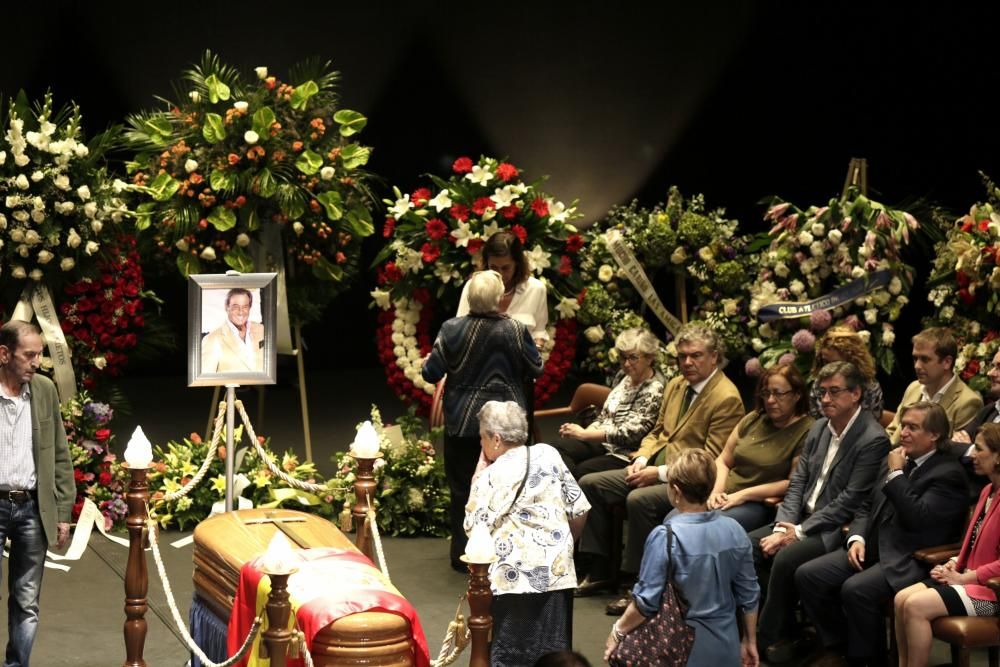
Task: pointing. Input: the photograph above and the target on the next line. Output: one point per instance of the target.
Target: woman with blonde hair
(842, 343)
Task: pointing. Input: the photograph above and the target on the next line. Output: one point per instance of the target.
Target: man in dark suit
(920, 500)
(834, 476)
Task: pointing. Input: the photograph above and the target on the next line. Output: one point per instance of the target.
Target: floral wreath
(964, 283)
(96, 471)
(437, 239)
(232, 162)
(680, 237)
(816, 250)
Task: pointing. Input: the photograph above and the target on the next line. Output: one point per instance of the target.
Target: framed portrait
(231, 329)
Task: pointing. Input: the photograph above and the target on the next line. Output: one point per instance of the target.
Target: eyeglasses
(774, 393)
(833, 391)
(631, 358)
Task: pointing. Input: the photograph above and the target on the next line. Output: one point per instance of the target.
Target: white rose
(36, 274)
(381, 298)
(781, 270)
(409, 329)
(61, 181)
(31, 237)
(835, 236)
(397, 338)
(706, 254)
(251, 137)
(19, 272)
(805, 238)
(261, 72)
(880, 298)
(3, 221)
(758, 345)
(413, 353)
(864, 251)
(679, 256)
(190, 165)
(242, 240)
(766, 331)
(298, 228)
(83, 192)
(796, 287)
(399, 351)
(22, 216)
(594, 334)
(857, 272)
(816, 249)
(208, 254)
(21, 160)
(818, 229)
(3, 157)
(91, 247)
(895, 285)
(37, 176)
(90, 209)
(99, 362)
(17, 235)
(97, 226)
(38, 216)
(730, 307)
(44, 257)
(865, 335)
(888, 337)
(81, 150)
(871, 316)
(605, 273)
(194, 95)
(22, 182)
(23, 251)
(241, 106)
(67, 263)
(947, 313)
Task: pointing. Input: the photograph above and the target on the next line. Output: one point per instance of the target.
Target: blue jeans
(751, 515)
(22, 524)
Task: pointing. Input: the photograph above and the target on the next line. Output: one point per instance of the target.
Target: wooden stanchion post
(480, 614)
(364, 495)
(277, 637)
(136, 577)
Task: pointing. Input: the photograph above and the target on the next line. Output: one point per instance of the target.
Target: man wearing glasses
(834, 476)
(238, 345)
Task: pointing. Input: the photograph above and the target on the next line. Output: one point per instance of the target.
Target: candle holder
(277, 636)
(136, 577)
(480, 616)
(364, 495)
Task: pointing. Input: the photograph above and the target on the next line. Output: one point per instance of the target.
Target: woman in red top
(957, 588)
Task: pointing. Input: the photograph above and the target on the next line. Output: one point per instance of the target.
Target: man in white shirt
(835, 474)
(934, 353)
(238, 345)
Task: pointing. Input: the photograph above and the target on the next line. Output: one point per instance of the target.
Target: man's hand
(962, 437)
(856, 555)
(775, 542)
(63, 532)
(647, 476)
(634, 468)
(896, 459)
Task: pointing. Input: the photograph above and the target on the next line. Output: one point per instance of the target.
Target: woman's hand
(734, 500)
(610, 644)
(947, 574)
(717, 500)
(570, 430)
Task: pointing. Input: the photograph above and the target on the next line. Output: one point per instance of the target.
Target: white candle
(139, 453)
(280, 557)
(479, 548)
(365, 445)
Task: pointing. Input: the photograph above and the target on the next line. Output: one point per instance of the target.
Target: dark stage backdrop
(737, 100)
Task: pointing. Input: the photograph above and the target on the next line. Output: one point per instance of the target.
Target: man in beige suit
(700, 409)
(238, 345)
(934, 352)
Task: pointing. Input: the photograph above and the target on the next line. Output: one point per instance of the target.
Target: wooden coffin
(223, 543)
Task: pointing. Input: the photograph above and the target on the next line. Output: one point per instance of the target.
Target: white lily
(441, 202)
(462, 234)
(490, 229)
(381, 298)
(567, 308)
(503, 197)
(538, 259)
(400, 208)
(479, 175)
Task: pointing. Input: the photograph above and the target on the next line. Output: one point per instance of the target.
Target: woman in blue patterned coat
(487, 357)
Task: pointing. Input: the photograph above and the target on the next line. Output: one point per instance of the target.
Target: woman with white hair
(534, 510)
(487, 357)
(628, 415)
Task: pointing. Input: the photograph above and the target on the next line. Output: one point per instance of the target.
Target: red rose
(509, 212)
(506, 171)
(389, 227)
(104, 479)
(459, 212)
(574, 243)
(462, 165)
(520, 232)
(420, 196)
(565, 266)
(984, 225)
(430, 253)
(436, 229)
(102, 434)
(475, 245)
(540, 207)
(392, 273)
(480, 205)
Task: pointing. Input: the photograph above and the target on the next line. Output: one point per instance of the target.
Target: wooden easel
(857, 175)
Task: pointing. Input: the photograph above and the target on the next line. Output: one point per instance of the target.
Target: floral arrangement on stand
(681, 238)
(99, 475)
(236, 168)
(176, 462)
(964, 283)
(60, 205)
(810, 253)
(413, 494)
(436, 238)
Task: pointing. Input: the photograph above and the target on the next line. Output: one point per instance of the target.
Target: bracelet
(616, 634)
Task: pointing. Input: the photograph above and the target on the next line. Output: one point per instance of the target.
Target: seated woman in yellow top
(760, 453)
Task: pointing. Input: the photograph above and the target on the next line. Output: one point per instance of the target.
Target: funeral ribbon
(637, 276)
(782, 310)
(269, 257)
(36, 301)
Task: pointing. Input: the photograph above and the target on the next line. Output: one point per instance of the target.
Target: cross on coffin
(281, 523)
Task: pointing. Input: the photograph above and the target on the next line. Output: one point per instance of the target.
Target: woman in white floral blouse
(535, 510)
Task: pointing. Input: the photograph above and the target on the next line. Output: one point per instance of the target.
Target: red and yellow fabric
(330, 584)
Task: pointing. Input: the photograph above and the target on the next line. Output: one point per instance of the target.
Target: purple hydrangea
(804, 340)
(787, 359)
(99, 412)
(820, 320)
(753, 367)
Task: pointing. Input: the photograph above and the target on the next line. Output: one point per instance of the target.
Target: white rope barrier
(275, 470)
(179, 621)
(455, 640)
(210, 455)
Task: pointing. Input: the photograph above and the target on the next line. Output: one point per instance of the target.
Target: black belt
(18, 496)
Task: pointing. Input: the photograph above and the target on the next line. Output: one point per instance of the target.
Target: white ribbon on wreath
(36, 301)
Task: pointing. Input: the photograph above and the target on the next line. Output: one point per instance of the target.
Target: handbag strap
(670, 560)
(520, 487)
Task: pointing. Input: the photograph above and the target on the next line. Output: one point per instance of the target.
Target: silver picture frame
(208, 319)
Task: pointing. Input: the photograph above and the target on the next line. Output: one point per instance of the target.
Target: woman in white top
(525, 298)
(534, 510)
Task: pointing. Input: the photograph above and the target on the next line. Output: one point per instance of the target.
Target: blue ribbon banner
(783, 310)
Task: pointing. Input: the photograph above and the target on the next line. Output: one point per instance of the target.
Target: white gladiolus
(67, 263)
(251, 137)
(190, 165)
(208, 254)
(91, 247)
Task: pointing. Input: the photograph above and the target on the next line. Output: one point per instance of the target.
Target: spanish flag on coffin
(330, 584)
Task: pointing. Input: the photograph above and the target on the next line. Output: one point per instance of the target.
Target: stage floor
(82, 613)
